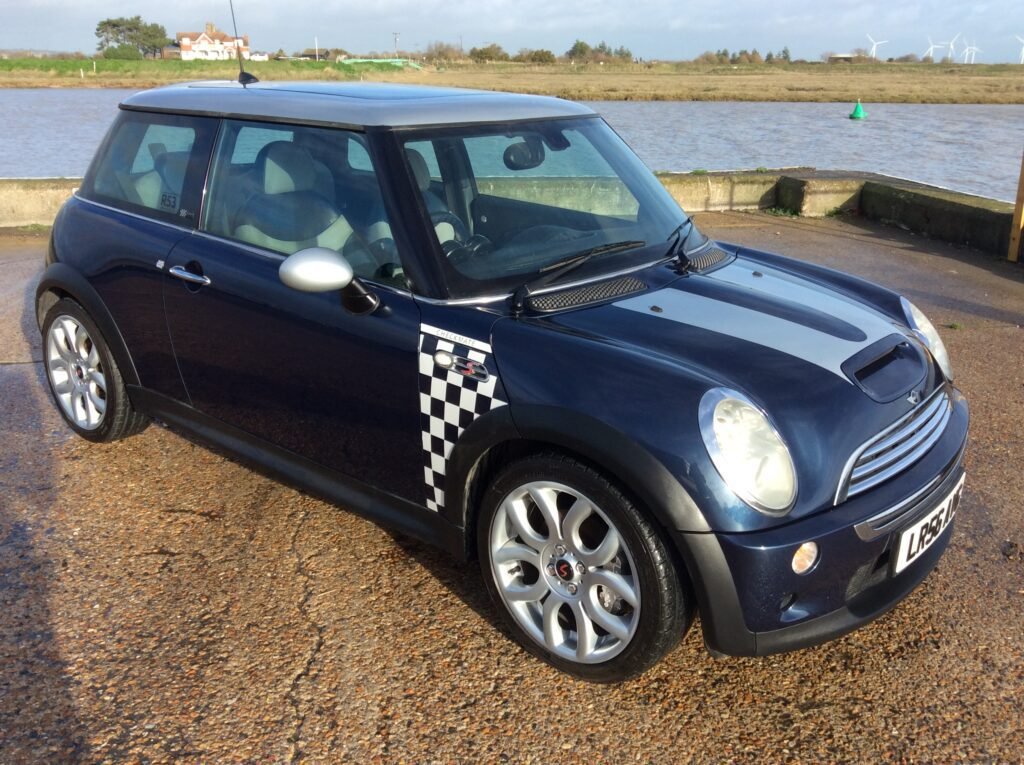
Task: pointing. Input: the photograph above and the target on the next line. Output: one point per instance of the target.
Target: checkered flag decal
(450, 401)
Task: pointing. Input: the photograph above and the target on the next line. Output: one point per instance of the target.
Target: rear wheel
(582, 577)
(84, 379)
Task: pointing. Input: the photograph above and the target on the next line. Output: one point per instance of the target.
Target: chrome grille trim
(897, 447)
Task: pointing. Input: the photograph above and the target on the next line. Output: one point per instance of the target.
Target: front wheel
(582, 577)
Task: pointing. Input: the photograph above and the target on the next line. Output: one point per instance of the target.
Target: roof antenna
(244, 78)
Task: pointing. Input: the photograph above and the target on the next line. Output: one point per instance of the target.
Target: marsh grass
(872, 83)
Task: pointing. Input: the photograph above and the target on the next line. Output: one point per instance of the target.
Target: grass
(872, 83)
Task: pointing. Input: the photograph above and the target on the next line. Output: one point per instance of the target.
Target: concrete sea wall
(927, 210)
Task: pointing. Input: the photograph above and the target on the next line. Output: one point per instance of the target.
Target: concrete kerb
(927, 210)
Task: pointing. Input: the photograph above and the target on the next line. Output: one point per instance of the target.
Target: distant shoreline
(797, 82)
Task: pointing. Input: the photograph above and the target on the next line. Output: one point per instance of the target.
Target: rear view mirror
(524, 155)
(316, 269)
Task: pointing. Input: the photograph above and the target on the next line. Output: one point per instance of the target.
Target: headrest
(172, 168)
(285, 167)
(420, 171)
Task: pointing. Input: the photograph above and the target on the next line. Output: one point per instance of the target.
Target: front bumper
(753, 604)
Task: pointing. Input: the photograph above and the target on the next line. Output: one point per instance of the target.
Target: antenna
(244, 78)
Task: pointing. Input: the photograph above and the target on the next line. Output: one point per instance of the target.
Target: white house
(211, 45)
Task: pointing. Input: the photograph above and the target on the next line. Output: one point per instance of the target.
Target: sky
(652, 29)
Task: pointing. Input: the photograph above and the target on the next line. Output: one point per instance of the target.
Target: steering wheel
(458, 227)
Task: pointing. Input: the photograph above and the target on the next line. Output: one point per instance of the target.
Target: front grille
(897, 447)
(589, 293)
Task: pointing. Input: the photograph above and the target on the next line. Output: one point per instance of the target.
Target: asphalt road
(161, 603)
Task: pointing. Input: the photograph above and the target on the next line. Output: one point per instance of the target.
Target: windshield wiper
(555, 271)
(677, 248)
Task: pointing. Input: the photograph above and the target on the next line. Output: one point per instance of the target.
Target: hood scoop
(889, 368)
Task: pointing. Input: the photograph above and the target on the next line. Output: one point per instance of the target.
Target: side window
(285, 188)
(152, 164)
(359, 157)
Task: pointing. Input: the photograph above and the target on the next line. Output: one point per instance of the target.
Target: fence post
(1018, 218)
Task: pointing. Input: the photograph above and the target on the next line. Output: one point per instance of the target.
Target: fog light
(805, 557)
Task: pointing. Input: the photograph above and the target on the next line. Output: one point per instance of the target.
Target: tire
(84, 379)
(606, 567)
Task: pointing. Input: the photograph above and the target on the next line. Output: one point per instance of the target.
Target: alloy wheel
(565, 572)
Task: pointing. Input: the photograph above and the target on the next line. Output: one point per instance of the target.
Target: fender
(609, 449)
(62, 279)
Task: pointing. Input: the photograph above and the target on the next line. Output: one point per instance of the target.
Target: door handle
(182, 273)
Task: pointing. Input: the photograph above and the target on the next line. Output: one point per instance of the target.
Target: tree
(539, 56)
(442, 51)
(123, 52)
(784, 54)
(492, 52)
(579, 51)
(131, 32)
(769, 57)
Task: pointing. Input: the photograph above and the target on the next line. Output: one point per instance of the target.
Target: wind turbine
(1021, 41)
(930, 53)
(874, 46)
(969, 52)
(952, 50)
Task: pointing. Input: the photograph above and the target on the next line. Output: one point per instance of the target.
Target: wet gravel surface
(161, 603)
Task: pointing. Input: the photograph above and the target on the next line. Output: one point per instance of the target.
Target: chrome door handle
(181, 273)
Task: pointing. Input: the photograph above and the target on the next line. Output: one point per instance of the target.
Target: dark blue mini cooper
(478, 318)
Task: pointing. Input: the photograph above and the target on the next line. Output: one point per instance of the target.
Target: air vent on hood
(889, 368)
(709, 258)
(590, 293)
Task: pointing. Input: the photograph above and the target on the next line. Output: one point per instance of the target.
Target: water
(966, 147)
(54, 132)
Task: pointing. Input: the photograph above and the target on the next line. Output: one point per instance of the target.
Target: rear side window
(153, 164)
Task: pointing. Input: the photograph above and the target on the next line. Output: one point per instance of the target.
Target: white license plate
(923, 534)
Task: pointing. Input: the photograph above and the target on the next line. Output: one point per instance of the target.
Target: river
(972, 148)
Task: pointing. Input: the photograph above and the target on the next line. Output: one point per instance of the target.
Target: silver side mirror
(316, 269)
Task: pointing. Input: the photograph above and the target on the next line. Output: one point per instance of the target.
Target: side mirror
(318, 269)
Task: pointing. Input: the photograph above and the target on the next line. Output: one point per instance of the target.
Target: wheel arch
(60, 281)
(513, 432)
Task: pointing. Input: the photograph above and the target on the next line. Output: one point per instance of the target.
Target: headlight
(925, 330)
(747, 451)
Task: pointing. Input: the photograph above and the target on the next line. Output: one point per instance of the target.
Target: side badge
(463, 366)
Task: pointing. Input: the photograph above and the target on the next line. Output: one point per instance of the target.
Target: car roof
(355, 104)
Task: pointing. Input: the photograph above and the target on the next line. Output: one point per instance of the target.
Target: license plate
(923, 534)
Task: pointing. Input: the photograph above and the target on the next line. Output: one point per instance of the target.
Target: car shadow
(462, 578)
(38, 718)
(947, 258)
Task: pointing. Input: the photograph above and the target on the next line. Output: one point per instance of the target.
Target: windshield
(508, 203)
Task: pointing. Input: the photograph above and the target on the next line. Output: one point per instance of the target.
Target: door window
(152, 164)
(285, 188)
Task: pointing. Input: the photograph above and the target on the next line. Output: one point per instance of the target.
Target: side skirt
(303, 474)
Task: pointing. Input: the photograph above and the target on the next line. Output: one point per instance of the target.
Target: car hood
(830, 370)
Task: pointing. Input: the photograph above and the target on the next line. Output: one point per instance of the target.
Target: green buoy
(858, 112)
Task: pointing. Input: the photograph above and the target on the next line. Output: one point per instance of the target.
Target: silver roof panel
(354, 104)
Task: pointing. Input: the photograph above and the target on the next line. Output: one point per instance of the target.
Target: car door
(294, 368)
(140, 197)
